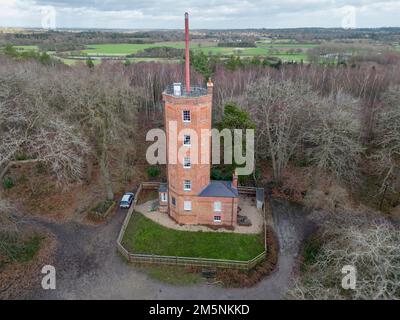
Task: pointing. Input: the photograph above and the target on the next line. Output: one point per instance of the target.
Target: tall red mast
(187, 54)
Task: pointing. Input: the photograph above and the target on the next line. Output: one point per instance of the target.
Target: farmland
(263, 49)
(286, 51)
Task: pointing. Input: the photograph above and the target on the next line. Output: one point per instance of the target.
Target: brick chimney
(210, 86)
(235, 179)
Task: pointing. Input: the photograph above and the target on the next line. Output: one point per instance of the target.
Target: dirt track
(88, 266)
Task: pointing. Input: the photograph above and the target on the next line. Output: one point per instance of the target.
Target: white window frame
(187, 164)
(185, 140)
(186, 116)
(187, 205)
(164, 197)
(217, 220)
(217, 206)
(187, 183)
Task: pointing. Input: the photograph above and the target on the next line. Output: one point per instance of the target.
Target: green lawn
(262, 49)
(123, 49)
(27, 48)
(147, 237)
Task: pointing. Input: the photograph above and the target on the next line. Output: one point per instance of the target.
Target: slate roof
(221, 189)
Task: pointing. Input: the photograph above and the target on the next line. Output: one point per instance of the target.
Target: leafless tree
(333, 137)
(61, 147)
(281, 112)
(29, 126)
(387, 156)
(104, 104)
(368, 243)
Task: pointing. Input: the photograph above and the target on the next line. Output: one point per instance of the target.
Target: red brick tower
(188, 111)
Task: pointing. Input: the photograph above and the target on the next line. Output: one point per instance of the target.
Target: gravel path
(88, 266)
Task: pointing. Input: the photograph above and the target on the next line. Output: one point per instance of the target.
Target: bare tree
(333, 137)
(29, 126)
(105, 105)
(387, 156)
(368, 243)
(281, 112)
(61, 147)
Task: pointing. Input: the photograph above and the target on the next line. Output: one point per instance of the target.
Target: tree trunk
(104, 166)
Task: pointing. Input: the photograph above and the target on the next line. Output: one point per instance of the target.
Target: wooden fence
(186, 261)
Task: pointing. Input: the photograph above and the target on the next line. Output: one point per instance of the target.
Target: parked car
(127, 200)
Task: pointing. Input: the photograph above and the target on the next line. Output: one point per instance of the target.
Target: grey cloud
(217, 13)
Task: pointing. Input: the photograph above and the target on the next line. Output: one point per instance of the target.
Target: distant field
(26, 48)
(122, 49)
(263, 49)
(279, 49)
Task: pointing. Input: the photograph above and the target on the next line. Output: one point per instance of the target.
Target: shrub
(21, 156)
(100, 211)
(153, 171)
(8, 183)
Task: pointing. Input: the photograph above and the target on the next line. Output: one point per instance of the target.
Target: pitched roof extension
(221, 189)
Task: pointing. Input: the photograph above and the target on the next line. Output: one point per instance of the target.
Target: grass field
(123, 49)
(26, 48)
(147, 237)
(262, 49)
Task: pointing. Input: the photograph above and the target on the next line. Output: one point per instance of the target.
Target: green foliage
(202, 63)
(21, 156)
(159, 52)
(234, 118)
(153, 171)
(222, 174)
(127, 63)
(10, 51)
(145, 236)
(245, 180)
(234, 62)
(312, 247)
(44, 58)
(14, 249)
(8, 183)
(89, 63)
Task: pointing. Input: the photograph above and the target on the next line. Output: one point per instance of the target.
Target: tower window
(186, 163)
(186, 116)
(187, 185)
(164, 197)
(186, 140)
(187, 205)
(217, 206)
(173, 201)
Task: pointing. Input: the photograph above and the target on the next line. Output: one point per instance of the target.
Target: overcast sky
(212, 14)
